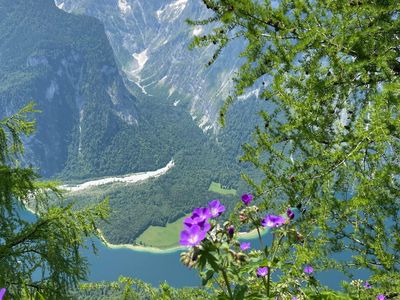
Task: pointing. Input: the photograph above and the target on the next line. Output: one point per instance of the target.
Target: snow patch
(171, 91)
(60, 5)
(141, 87)
(33, 61)
(141, 59)
(112, 92)
(162, 80)
(255, 93)
(165, 42)
(51, 90)
(193, 109)
(124, 7)
(126, 117)
(171, 11)
(203, 121)
(197, 30)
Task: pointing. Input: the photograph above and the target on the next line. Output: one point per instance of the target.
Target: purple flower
(2, 293)
(367, 285)
(205, 226)
(199, 217)
(273, 221)
(290, 214)
(262, 271)
(189, 222)
(247, 198)
(192, 236)
(294, 298)
(231, 231)
(381, 297)
(245, 246)
(216, 208)
(202, 223)
(308, 269)
(202, 213)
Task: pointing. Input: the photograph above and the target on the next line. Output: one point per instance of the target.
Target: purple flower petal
(381, 297)
(206, 227)
(367, 285)
(308, 269)
(192, 236)
(199, 217)
(245, 246)
(216, 208)
(273, 221)
(247, 198)
(201, 213)
(262, 271)
(2, 293)
(185, 234)
(189, 222)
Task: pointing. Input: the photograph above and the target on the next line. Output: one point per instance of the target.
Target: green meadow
(217, 188)
(162, 237)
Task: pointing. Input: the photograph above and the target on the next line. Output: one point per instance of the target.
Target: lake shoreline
(156, 250)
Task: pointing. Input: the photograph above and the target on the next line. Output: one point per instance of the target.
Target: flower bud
(231, 231)
(290, 214)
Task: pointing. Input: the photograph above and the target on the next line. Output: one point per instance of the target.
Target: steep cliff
(150, 39)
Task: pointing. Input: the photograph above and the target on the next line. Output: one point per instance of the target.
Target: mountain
(150, 39)
(92, 126)
(65, 64)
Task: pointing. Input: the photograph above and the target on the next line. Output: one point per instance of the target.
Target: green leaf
(239, 292)
(205, 277)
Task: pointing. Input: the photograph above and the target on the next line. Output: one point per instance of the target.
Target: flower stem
(266, 284)
(228, 286)
(258, 232)
(259, 238)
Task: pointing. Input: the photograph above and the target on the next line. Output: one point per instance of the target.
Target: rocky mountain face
(65, 64)
(150, 39)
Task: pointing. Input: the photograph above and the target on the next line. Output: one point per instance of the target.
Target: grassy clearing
(162, 237)
(217, 188)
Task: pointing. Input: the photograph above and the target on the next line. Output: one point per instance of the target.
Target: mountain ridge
(150, 40)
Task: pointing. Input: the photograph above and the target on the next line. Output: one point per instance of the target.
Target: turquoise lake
(156, 268)
(153, 268)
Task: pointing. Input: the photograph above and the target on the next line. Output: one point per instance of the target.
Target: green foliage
(39, 258)
(330, 139)
(132, 289)
(230, 271)
(198, 159)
